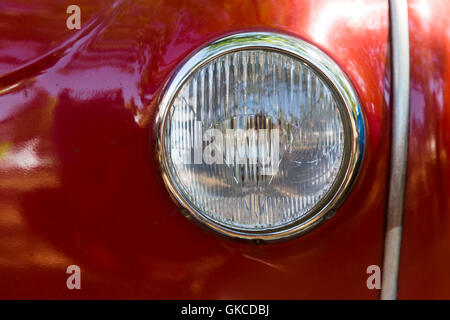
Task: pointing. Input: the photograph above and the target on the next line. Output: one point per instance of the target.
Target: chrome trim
(399, 147)
(350, 108)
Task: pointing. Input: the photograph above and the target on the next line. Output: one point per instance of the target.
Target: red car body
(79, 180)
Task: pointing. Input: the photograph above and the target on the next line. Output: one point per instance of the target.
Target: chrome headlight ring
(350, 112)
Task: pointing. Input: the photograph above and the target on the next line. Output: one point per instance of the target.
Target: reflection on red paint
(103, 206)
(425, 257)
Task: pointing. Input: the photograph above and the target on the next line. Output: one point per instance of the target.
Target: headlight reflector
(260, 136)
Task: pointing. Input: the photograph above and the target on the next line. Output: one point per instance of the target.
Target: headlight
(260, 136)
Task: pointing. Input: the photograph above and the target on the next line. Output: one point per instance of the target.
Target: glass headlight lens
(256, 140)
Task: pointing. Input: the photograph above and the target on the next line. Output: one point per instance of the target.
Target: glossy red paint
(79, 183)
(32, 28)
(425, 257)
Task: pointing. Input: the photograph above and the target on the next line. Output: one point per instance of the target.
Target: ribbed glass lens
(254, 140)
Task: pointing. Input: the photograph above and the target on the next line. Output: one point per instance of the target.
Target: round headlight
(260, 136)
